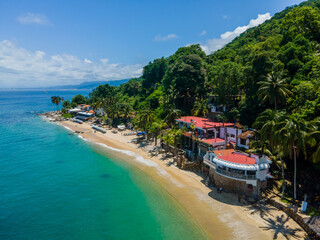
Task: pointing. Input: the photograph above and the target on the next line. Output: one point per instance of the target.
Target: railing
(235, 175)
(207, 161)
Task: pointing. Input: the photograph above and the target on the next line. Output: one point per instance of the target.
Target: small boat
(99, 129)
(77, 120)
(121, 127)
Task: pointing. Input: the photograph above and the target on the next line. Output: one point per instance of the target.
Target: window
(243, 141)
(232, 135)
(251, 173)
(236, 171)
(202, 152)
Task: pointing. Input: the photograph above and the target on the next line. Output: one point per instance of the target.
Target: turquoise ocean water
(55, 186)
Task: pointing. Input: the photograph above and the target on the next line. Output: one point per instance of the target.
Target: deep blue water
(56, 186)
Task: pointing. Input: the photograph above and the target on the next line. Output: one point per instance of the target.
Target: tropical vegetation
(274, 68)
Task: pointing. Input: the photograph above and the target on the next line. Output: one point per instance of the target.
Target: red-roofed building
(207, 134)
(236, 171)
(85, 107)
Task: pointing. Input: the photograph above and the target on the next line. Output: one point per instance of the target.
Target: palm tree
(263, 147)
(113, 113)
(156, 128)
(283, 166)
(145, 118)
(101, 102)
(292, 134)
(313, 139)
(125, 109)
(274, 88)
(56, 100)
(201, 107)
(265, 122)
(172, 115)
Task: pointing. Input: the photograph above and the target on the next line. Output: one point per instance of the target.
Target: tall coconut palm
(145, 119)
(56, 100)
(313, 139)
(265, 122)
(156, 128)
(200, 107)
(172, 115)
(292, 134)
(125, 109)
(101, 103)
(113, 113)
(274, 88)
(263, 147)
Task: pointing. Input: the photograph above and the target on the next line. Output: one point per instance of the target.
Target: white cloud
(204, 32)
(217, 43)
(22, 68)
(225, 16)
(87, 61)
(170, 36)
(31, 18)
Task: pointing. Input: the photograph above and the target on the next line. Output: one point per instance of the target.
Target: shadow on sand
(278, 227)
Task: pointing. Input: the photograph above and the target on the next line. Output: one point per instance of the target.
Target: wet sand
(219, 215)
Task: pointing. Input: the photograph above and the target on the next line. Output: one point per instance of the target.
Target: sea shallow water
(57, 186)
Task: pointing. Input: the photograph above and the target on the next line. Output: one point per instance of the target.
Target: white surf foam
(138, 158)
(67, 128)
(79, 136)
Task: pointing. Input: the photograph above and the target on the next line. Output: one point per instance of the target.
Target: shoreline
(219, 215)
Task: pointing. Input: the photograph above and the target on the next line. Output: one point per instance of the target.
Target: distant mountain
(91, 85)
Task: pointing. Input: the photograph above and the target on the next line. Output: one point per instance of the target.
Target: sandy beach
(219, 215)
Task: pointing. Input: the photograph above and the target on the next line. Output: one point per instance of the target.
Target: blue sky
(46, 43)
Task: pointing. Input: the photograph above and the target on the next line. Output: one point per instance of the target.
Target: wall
(230, 130)
(235, 186)
(243, 146)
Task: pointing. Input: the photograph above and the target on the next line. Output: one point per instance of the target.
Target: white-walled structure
(237, 171)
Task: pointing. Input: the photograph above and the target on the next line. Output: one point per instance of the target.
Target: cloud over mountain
(22, 68)
(217, 43)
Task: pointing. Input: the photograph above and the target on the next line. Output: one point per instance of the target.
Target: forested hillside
(275, 67)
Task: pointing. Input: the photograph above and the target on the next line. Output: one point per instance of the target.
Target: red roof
(231, 156)
(211, 141)
(203, 123)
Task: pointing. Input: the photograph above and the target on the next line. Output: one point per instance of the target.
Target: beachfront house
(74, 111)
(85, 107)
(84, 116)
(236, 171)
(244, 139)
(204, 134)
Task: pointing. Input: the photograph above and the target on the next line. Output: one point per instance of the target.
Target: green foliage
(153, 74)
(274, 88)
(186, 76)
(79, 99)
(172, 137)
(201, 107)
(66, 115)
(66, 104)
(313, 211)
(274, 65)
(56, 100)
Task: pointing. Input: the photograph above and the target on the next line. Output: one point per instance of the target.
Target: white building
(238, 172)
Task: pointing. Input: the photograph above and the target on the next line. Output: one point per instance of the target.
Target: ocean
(56, 186)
